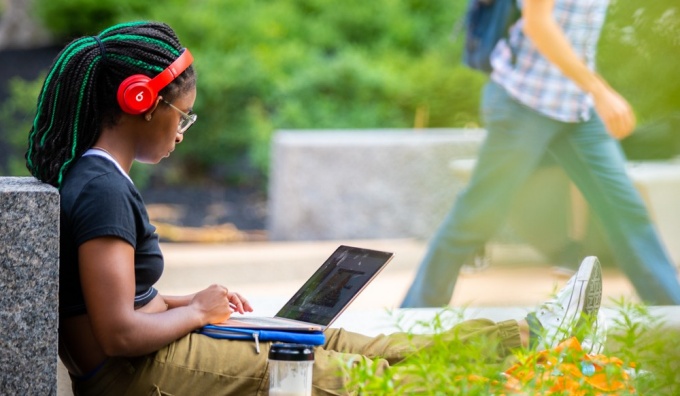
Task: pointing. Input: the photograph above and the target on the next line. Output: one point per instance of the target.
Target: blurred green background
(265, 65)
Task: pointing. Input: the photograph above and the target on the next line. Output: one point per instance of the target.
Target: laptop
(325, 295)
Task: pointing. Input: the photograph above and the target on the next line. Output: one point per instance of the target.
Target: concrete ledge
(657, 181)
(659, 185)
(29, 280)
(374, 322)
(356, 184)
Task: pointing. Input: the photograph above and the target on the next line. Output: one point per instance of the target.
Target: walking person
(544, 97)
(127, 95)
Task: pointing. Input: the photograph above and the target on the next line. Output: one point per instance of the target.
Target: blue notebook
(257, 335)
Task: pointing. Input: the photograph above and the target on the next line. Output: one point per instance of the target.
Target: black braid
(78, 97)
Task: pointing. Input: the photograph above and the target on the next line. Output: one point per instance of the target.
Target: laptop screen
(334, 285)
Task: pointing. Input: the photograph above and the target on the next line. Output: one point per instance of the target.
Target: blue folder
(239, 333)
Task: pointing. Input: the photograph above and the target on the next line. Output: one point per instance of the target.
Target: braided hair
(78, 97)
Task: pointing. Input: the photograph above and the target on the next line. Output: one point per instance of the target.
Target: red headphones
(137, 93)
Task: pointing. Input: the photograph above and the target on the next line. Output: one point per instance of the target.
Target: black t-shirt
(97, 200)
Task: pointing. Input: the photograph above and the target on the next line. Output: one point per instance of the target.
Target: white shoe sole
(588, 289)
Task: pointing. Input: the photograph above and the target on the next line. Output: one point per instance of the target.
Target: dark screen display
(333, 286)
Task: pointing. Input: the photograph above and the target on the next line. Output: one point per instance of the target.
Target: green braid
(75, 126)
(78, 97)
(122, 26)
(133, 37)
(57, 67)
(138, 63)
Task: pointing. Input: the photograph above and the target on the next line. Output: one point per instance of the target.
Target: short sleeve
(103, 208)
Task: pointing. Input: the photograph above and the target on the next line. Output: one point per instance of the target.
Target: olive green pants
(199, 365)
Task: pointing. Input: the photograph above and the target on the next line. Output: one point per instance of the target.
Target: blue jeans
(517, 139)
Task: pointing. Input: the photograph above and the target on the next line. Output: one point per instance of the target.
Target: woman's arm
(238, 303)
(177, 301)
(108, 280)
(552, 43)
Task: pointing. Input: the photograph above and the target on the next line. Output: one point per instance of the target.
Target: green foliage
(443, 367)
(639, 51)
(292, 64)
(642, 338)
(309, 64)
(16, 116)
(452, 364)
(75, 18)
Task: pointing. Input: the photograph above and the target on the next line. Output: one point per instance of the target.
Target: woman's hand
(217, 303)
(615, 112)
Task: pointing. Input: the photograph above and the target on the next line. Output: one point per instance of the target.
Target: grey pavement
(269, 272)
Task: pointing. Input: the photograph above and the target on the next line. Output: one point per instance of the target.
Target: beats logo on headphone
(137, 93)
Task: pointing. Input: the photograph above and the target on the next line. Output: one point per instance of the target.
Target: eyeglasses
(186, 120)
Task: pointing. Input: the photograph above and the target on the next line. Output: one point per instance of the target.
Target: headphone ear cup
(135, 96)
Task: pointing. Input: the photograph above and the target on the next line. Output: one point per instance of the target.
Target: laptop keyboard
(269, 322)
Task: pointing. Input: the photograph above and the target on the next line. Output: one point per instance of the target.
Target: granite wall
(29, 282)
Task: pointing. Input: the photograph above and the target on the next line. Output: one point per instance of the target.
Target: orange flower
(565, 368)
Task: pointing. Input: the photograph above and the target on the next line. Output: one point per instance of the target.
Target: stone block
(29, 280)
(658, 182)
(363, 184)
(659, 185)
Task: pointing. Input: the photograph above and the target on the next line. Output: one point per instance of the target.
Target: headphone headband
(171, 72)
(137, 93)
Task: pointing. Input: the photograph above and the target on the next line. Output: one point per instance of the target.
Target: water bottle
(290, 369)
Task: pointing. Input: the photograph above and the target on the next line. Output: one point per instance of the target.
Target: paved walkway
(268, 273)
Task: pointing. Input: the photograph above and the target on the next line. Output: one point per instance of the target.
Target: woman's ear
(148, 115)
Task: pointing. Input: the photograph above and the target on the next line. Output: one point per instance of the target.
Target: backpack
(486, 22)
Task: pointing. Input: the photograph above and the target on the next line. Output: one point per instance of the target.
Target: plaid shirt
(537, 83)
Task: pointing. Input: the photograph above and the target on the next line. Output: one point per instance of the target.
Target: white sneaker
(572, 306)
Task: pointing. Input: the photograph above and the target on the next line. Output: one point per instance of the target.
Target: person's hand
(238, 303)
(615, 112)
(217, 303)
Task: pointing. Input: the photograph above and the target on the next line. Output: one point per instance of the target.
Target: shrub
(73, 18)
(450, 366)
(266, 65)
(16, 116)
(639, 51)
(310, 64)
